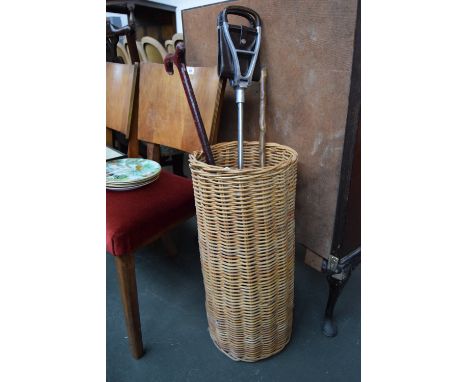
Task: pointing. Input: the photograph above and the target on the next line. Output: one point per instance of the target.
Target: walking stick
(238, 48)
(178, 58)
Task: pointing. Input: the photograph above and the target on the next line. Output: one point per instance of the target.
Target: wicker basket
(246, 236)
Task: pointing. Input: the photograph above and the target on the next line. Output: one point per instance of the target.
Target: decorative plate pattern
(131, 170)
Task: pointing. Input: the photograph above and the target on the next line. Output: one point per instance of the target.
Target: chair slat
(164, 114)
(120, 92)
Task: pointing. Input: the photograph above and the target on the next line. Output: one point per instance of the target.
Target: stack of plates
(130, 173)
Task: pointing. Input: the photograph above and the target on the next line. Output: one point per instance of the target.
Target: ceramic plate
(131, 170)
(115, 183)
(119, 185)
(130, 187)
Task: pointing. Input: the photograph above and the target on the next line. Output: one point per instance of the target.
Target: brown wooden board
(307, 47)
(120, 91)
(164, 114)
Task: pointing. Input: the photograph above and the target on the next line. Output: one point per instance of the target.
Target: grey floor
(175, 335)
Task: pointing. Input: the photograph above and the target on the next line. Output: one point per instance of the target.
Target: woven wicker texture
(247, 244)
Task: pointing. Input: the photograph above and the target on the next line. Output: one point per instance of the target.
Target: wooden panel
(164, 114)
(120, 90)
(155, 23)
(307, 47)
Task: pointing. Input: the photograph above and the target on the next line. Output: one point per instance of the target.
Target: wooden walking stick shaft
(262, 122)
(178, 58)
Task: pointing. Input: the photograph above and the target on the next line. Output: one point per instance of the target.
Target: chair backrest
(141, 52)
(122, 52)
(164, 116)
(169, 44)
(120, 92)
(176, 37)
(154, 50)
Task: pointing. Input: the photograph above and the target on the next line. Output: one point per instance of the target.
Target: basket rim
(194, 160)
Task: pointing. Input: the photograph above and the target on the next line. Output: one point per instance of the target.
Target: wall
(185, 4)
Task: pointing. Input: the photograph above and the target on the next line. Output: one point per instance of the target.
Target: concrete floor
(175, 335)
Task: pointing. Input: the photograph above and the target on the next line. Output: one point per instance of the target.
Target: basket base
(248, 359)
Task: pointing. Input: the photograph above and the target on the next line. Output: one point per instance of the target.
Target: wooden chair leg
(178, 164)
(109, 137)
(153, 152)
(128, 291)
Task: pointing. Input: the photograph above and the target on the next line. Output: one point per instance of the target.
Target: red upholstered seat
(135, 217)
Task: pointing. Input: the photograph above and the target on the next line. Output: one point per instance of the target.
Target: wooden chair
(141, 52)
(120, 93)
(167, 156)
(122, 52)
(176, 37)
(125, 44)
(137, 217)
(169, 44)
(153, 49)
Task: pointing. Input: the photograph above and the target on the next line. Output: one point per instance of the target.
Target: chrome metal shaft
(240, 99)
